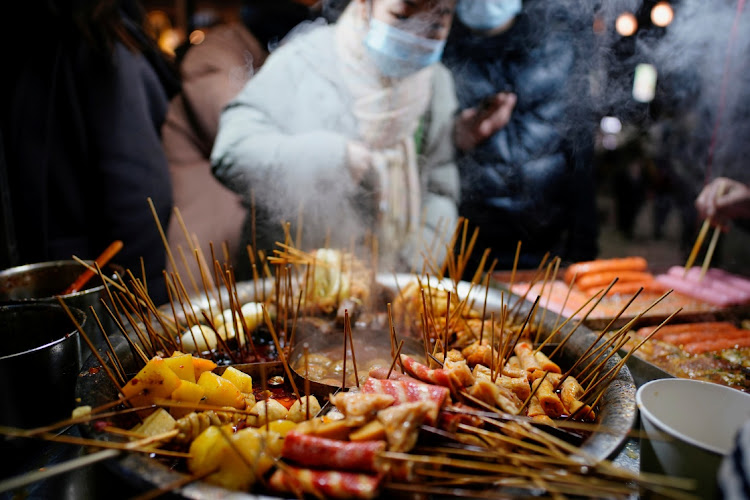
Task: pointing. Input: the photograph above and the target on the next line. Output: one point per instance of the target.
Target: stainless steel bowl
(42, 282)
(39, 348)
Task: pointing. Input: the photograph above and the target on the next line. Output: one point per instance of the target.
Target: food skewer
(697, 245)
(699, 242)
(709, 252)
(100, 261)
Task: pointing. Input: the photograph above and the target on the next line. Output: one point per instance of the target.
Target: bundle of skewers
(489, 409)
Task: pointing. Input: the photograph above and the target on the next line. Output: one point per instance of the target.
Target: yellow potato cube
(220, 391)
(202, 365)
(182, 366)
(187, 392)
(282, 427)
(237, 459)
(241, 380)
(158, 422)
(155, 380)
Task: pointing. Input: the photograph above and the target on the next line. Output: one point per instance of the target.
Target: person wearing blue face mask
(528, 177)
(346, 132)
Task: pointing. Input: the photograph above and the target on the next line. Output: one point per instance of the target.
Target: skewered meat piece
(402, 423)
(536, 412)
(437, 376)
(496, 395)
(548, 399)
(408, 391)
(361, 406)
(519, 385)
(314, 451)
(324, 484)
(525, 353)
(570, 394)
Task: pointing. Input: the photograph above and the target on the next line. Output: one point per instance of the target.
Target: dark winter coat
(82, 155)
(533, 180)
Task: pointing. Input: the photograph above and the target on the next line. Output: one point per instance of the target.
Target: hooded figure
(346, 131)
(533, 179)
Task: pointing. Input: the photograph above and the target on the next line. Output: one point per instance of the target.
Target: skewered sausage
(327, 484)
(603, 265)
(313, 451)
(599, 280)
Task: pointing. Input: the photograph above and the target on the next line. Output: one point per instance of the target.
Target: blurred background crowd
(653, 92)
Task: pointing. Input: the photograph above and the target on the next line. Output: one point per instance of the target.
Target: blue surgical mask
(483, 15)
(399, 53)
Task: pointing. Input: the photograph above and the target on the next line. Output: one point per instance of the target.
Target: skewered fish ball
(199, 338)
(298, 411)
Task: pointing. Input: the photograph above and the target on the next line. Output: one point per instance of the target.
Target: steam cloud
(690, 57)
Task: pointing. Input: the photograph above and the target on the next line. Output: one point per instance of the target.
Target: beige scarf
(388, 112)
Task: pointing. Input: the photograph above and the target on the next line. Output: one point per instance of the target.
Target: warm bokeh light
(169, 40)
(626, 24)
(662, 14)
(197, 37)
(158, 20)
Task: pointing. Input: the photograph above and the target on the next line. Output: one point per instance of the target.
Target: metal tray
(617, 407)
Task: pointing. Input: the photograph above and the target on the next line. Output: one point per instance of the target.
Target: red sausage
(603, 265)
(591, 280)
(316, 451)
(717, 345)
(327, 484)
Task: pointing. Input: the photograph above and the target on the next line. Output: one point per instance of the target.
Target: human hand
(474, 125)
(723, 200)
(359, 160)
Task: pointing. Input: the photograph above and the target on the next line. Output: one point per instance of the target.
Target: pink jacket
(212, 74)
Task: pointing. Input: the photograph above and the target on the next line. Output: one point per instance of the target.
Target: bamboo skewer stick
(515, 266)
(539, 271)
(91, 346)
(54, 470)
(348, 332)
(697, 245)
(102, 259)
(557, 261)
(306, 352)
(575, 327)
(171, 487)
(710, 252)
(282, 356)
(588, 350)
(396, 357)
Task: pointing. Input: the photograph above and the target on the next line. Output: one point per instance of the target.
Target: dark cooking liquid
(265, 350)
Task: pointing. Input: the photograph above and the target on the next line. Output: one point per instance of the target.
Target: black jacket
(533, 180)
(82, 155)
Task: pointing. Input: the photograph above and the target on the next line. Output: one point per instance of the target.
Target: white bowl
(689, 425)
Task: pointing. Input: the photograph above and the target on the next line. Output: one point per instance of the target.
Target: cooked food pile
(714, 351)
(479, 406)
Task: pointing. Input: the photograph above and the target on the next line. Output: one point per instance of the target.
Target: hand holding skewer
(719, 202)
(723, 200)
